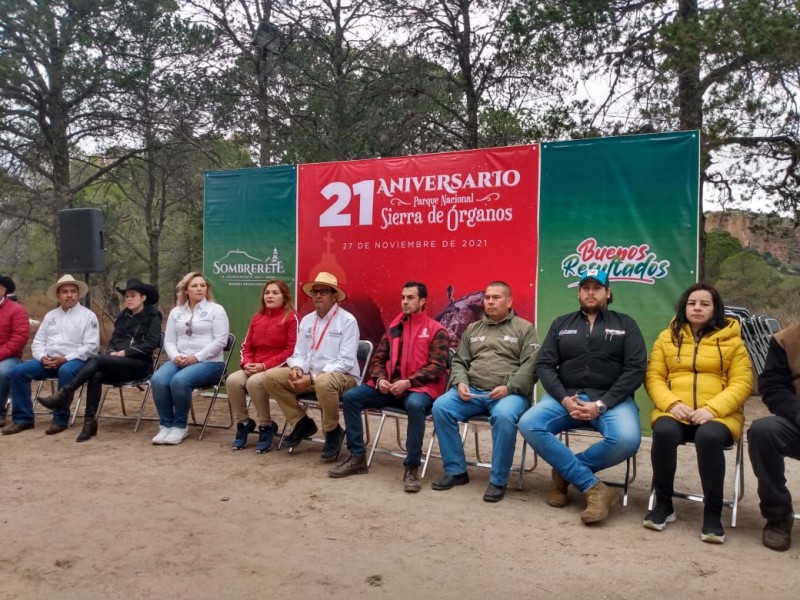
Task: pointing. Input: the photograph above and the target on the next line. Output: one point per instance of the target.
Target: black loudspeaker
(83, 247)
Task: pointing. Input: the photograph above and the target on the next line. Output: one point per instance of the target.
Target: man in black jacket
(773, 438)
(590, 364)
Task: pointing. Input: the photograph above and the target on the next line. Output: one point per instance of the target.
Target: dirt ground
(117, 517)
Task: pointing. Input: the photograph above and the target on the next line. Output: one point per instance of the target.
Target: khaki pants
(239, 385)
(328, 388)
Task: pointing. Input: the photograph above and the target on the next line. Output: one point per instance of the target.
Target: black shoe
(242, 431)
(266, 433)
(658, 518)
(304, 429)
(89, 430)
(712, 531)
(494, 493)
(448, 481)
(333, 444)
(55, 401)
(777, 535)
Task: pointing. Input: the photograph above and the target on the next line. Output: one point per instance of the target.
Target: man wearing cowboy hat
(67, 337)
(324, 362)
(14, 330)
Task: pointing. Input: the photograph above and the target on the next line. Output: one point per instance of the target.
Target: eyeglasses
(324, 292)
(189, 326)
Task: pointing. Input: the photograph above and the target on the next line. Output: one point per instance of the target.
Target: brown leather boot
(599, 498)
(557, 494)
(89, 430)
(355, 465)
(55, 401)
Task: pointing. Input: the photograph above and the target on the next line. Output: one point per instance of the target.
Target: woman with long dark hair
(699, 377)
(269, 342)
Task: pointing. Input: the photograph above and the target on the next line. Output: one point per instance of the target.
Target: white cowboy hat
(52, 291)
(324, 278)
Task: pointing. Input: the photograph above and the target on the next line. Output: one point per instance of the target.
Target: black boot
(55, 401)
(89, 430)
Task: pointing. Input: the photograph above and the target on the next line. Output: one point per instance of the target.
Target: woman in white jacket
(196, 334)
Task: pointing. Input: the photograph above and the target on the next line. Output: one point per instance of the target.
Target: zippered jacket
(713, 373)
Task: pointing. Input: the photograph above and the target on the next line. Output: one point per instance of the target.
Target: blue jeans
(449, 409)
(416, 404)
(173, 386)
(619, 427)
(21, 377)
(5, 380)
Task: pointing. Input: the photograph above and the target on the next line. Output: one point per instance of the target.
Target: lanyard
(315, 345)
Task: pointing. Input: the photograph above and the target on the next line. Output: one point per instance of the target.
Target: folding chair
(309, 400)
(479, 462)
(228, 352)
(398, 414)
(738, 484)
(53, 381)
(143, 385)
(630, 462)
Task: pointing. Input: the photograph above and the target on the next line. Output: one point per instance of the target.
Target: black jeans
(770, 440)
(710, 440)
(105, 368)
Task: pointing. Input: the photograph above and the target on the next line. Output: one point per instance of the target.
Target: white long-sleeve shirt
(210, 330)
(328, 344)
(73, 334)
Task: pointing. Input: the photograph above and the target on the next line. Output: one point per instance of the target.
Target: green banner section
(249, 236)
(628, 205)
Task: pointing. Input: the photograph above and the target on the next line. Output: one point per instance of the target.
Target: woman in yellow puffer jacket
(699, 377)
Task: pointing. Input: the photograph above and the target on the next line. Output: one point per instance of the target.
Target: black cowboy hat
(142, 288)
(8, 283)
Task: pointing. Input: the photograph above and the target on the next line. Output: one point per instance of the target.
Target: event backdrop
(534, 216)
(630, 206)
(249, 236)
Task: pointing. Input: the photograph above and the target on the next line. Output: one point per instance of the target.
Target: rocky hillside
(760, 232)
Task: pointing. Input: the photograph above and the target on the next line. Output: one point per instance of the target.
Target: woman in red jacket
(269, 342)
(14, 330)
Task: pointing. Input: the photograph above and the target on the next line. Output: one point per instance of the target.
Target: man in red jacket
(14, 330)
(408, 370)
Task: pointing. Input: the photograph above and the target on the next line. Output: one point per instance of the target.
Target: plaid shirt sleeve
(377, 369)
(437, 360)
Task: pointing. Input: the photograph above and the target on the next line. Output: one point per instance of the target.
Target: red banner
(454, 222)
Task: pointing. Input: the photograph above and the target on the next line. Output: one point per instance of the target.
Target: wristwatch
(601, 407)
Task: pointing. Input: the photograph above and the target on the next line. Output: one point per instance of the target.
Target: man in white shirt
(324, 362)
(68, 336)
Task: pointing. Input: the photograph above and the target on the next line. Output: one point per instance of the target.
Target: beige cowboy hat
(324, 278)
(52, 291)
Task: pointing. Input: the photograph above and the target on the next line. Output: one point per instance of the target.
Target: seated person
(269, 342)
(68, 336)
(590, 364)
(771, 439)
(324, 361)
(195, 339)
(129, 356)
(408, 370)
(14, 331)
(699, 377)
(491, 374)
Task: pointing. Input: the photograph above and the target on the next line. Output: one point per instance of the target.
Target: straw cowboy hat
(325, 279)
(139, 286)
(8, 283)
(52, 291)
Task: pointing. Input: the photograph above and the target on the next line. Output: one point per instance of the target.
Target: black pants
(105, 368)
(710, 440)
(770, 440)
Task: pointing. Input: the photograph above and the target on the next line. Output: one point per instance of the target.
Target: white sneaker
(161, 437)
(176, 435)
